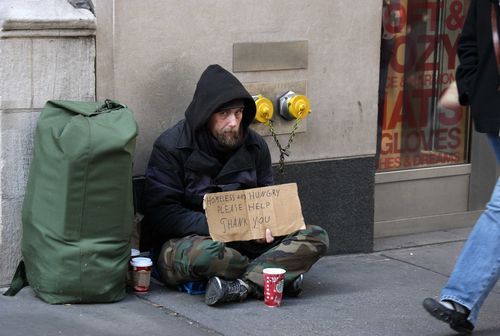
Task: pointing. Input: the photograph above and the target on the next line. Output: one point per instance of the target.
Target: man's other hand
(269, 238)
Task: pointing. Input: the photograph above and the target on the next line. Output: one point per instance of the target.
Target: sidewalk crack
(415, 265)
(179, 316)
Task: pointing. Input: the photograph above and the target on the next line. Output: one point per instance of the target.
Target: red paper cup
(141, 273)
(273, 286)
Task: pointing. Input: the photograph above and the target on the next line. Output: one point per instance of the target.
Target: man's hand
(269, 238)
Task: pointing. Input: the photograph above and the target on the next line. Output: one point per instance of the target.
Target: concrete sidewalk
(377, 294)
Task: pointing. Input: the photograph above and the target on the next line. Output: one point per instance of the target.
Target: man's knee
(192, 250)
(217, 259)
(207, 252)
(205, 257)
(318, 233)
(314, 239)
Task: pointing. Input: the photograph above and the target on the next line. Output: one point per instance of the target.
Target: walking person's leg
(477, 268)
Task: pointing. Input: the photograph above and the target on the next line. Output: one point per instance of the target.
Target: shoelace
(235, 289)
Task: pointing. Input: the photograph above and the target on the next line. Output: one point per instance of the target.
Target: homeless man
(212, 150)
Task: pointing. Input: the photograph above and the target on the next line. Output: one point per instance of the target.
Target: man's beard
(230, 139)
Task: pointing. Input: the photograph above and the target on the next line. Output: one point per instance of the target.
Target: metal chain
(269, 123)
(286, 150)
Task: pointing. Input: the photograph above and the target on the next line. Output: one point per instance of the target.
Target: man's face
(225, 126)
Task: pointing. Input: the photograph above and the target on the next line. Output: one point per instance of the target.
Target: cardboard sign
(246, 214)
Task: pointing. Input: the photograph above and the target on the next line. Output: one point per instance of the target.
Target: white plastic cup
(141, 274)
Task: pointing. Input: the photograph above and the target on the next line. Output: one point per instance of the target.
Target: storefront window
(418, 62)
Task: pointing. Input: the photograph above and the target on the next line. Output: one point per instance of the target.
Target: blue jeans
(478, 266)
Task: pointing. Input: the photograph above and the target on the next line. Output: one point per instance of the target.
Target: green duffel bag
(78, 208)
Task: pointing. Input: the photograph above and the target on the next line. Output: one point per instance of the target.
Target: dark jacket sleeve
(164, 193)
(468, 55)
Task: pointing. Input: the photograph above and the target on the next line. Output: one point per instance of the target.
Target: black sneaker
(295, 288)
(219, 291)
(457, 320)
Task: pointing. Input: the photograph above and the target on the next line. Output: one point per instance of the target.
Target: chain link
(284, 151)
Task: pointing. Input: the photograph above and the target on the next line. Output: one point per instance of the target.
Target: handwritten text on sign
(246, 214)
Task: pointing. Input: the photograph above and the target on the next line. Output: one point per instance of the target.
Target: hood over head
(218, 87)
(235, 103)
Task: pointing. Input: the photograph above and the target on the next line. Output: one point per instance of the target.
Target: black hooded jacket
(477, 75)
(184, 166)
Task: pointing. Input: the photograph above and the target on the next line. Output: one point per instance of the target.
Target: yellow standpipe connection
(294, 106)
(299, 106)
(264, 109)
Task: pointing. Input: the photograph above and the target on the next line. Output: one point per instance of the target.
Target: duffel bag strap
(109, 105)
(18, 281)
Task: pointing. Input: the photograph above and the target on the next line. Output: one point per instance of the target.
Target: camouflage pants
(197, 258)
